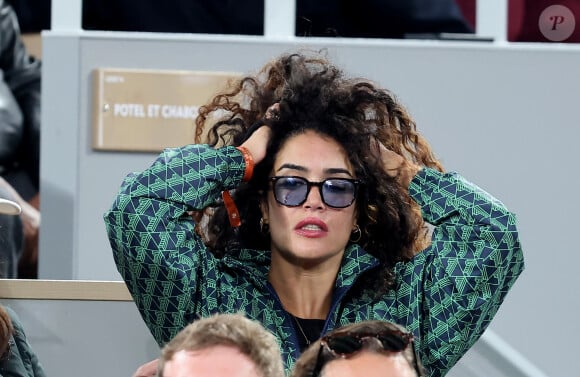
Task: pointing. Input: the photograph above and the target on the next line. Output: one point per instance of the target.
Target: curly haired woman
(308, 209)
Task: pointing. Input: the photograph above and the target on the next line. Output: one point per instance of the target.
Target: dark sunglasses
(335, 192)
(347, 345)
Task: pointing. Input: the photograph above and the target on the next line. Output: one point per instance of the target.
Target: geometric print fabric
(446, 295)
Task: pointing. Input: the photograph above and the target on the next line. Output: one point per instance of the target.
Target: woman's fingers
(396, 165)
(257, 143)
(273, 111)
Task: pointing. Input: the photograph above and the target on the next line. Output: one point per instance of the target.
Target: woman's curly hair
(315, 95)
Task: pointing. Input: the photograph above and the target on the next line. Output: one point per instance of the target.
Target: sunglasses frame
(406, 338)
(355, 182)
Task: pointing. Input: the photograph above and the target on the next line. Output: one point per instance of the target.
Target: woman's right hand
(258, 142)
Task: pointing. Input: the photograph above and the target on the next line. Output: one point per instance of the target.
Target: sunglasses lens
(344, 345)
(290, 191)
(338, 193)
(391, 342)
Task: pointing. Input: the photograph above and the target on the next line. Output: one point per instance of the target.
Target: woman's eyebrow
(304, 169)
(292, 166)
(338, 171)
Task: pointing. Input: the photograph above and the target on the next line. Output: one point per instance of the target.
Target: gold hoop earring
(264, 227)
(356, 234)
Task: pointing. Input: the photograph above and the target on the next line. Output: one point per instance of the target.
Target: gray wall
(86, 338)
(503, 115)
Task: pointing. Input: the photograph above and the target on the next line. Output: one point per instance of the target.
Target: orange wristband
(249, 163)
(233, 213)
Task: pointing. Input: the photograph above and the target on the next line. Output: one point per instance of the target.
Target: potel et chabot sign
(148, 110)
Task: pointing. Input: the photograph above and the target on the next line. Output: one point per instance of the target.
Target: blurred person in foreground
(17, 359)
(223, 345)
(368, 348)
(19, 144)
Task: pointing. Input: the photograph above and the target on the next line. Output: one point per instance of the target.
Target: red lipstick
(311, 227)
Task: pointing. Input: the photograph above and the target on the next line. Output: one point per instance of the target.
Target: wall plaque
(148, 110)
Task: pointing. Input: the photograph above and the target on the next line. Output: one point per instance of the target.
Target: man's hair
(248, 336)
(306, 364)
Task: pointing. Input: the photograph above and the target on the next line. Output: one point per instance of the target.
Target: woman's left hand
(397, 166)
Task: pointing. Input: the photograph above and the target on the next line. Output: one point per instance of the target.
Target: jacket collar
(355, 261)
(256, 264)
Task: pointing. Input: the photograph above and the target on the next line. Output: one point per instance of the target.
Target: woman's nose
(314, 198)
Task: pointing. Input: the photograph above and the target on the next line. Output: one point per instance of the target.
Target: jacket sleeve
(22, 360)
(10, 123)
(158, 254)
(474, 259)
(20, 69)
(21, 73)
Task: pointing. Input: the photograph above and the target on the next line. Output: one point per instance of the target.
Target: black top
(307, 331)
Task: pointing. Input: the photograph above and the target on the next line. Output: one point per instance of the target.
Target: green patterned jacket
(446, 295)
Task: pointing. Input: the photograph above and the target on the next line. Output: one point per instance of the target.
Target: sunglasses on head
(347, 345)
(335, 192)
